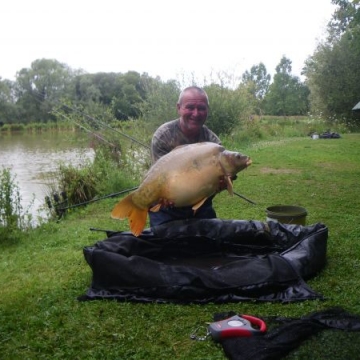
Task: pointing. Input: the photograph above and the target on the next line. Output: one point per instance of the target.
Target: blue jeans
(164, 215)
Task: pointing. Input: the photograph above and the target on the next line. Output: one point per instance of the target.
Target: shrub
(12, 217)
(112, 170)
(17, 127)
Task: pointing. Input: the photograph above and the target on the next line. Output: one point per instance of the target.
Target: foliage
(159, 105)
(266, 127)
(332, 72)
(8, 109)
(112, 170)
(287, 95)
(46, 272)
(78, 184)
(257, 81)
(36, 127)
(122, 92)
(227, 108)
(13, 219)
(39, 88)
(42, 90)
(346, 17)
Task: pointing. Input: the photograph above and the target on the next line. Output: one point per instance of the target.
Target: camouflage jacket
(169, 135)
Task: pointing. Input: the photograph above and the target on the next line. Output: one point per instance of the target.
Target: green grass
(44, 271)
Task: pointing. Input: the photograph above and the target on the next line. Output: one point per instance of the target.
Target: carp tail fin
(125, 208)
(137, 220)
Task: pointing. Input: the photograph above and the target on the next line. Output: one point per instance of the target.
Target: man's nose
(195, 112)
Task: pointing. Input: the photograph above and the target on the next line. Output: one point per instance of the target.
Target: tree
(257, 82)
(40, 87)
(345, 17)
(121, 92)
(333, 73)
(125, 103)
(8, 111)
(287, 95)
(227, 107)
(159, 104)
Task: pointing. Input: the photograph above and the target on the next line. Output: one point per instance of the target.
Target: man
(189, 128)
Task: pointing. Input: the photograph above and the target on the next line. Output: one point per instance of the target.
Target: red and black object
(237, 326)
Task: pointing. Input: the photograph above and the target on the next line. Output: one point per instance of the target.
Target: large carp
(186, 176)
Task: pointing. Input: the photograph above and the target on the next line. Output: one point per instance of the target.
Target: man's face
(193, 111)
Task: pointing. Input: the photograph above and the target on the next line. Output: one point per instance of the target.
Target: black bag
(209, 260)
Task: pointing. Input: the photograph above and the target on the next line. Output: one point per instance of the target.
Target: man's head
(192, 106)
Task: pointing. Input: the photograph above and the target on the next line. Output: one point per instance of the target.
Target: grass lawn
(43, 273)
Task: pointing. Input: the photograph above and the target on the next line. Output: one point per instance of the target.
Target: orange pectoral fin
(155, 208)
(127, 209)
(229, 185)
(197, 205)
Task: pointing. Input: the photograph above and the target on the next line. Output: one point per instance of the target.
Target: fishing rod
(107, 126)
(39, 98)
(60, 210)
(85, 129)
(63, 209)
(245, 198)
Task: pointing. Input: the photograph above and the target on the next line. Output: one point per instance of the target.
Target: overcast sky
(161, 37)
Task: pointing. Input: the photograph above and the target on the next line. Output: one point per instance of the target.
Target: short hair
(195, 89)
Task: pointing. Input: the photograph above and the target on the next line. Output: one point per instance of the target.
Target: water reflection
(33, 157)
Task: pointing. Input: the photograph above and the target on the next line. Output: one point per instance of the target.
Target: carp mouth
(235, 161)
(246, 161)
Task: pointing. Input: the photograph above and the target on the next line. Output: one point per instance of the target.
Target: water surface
(33, 158)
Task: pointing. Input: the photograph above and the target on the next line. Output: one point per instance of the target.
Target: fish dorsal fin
(197, 205)
(229, 185)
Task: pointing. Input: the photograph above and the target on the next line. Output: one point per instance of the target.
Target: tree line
(333, 71)
(331, 86)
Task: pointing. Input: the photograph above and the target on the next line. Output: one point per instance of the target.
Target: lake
(32, 158)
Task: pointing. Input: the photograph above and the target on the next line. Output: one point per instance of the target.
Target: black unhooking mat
(210, 260)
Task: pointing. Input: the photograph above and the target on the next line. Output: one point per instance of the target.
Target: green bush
(12, 217)
(228, 108)
(111, 171)
(5, 128)
(17, 127)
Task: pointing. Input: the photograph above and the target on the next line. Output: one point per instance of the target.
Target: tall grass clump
(4, 128)
(13, 218)
(14, 127)
(112, 170)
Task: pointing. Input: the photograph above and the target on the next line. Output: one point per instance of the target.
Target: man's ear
(178, 107)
